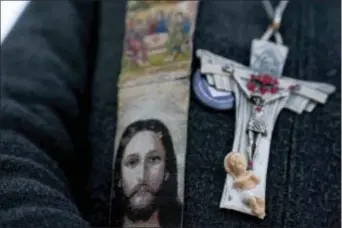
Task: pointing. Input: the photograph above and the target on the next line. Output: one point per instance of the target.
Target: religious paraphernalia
(261, 92)
(209, 95)
(153, 99)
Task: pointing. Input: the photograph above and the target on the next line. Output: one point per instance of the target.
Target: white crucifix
(261, 92)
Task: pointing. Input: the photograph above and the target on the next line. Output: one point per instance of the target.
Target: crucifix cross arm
(303, 95)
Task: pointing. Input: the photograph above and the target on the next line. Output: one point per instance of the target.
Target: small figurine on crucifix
(261, 92)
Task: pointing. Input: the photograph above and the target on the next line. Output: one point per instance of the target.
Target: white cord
(276, 17)
(269, 9)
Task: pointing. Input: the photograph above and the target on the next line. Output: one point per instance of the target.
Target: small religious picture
(149, 156)
(152, 115)
(158, 38)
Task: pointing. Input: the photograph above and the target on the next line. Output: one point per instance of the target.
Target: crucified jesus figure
(258, 87)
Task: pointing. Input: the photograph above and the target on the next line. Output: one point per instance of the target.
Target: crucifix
(261, 92)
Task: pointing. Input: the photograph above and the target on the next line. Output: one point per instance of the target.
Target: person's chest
(303, 175)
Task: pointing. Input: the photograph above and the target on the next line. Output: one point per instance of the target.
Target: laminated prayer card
(153, 97)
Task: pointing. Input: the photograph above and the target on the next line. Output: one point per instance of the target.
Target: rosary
(261, 92)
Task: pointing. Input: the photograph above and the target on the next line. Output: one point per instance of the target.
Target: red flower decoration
(263, 90)
(293, 87)
(273, 90)
(266, 79)
(267, 83)
(258, 109)
(250, 164)
(251, 86)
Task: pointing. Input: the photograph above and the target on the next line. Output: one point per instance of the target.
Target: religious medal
(261, 92)
(208, 95)
(151, 131)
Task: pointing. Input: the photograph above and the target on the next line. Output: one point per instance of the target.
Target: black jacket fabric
(59, 69)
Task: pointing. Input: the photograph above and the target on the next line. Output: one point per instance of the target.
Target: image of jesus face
(143, 169)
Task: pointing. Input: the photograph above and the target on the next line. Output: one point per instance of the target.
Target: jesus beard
(141, 203)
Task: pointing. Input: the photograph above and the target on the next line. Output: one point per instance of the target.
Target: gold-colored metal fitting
(275, 25)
